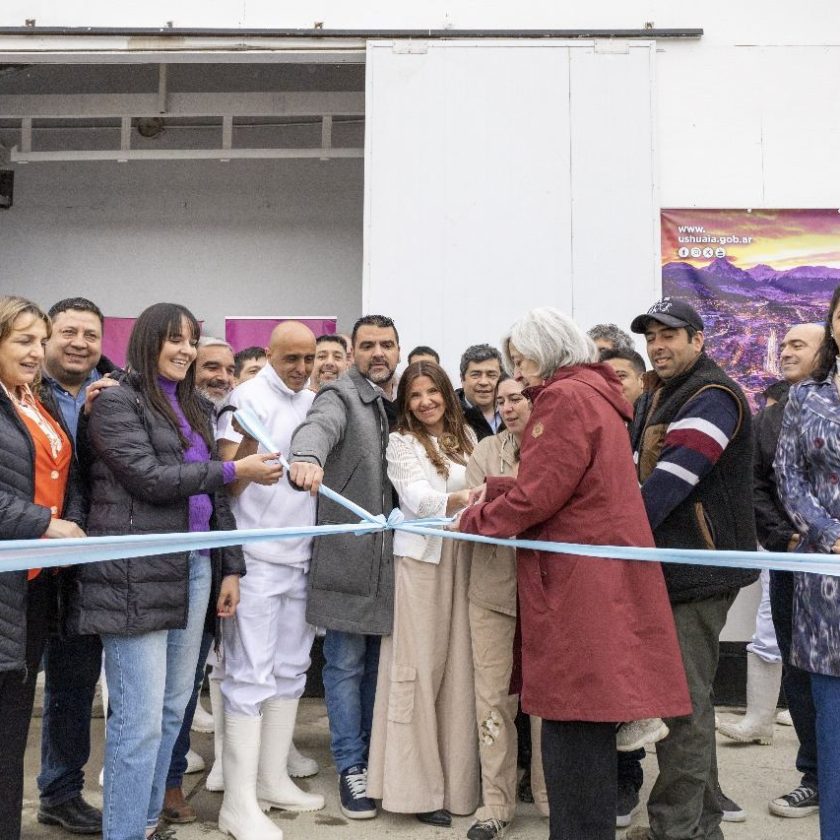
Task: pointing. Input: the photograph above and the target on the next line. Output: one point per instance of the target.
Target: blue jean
(351, 663)
(178, 764)
(150, 679)
(826, 692)
(71, 671)
(795, 681)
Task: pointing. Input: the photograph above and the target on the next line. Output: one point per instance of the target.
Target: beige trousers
(423, 750)
(492, 647)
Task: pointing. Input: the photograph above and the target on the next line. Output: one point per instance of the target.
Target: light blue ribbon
(19, 555)
(823, 564)
(16, 555)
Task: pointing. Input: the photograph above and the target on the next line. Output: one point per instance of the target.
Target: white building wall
(238, 238)
(746, 22)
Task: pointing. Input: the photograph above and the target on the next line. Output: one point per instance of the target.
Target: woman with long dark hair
(424, 749)
(38, 498)
(153, 469)
(807, 468)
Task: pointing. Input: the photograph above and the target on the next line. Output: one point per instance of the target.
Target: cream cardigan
(422, 491)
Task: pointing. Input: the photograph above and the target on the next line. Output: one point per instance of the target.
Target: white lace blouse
(422, 491)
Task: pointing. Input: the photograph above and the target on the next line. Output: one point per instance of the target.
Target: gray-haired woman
(598, 639)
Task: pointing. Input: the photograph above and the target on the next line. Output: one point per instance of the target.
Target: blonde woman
(39, 497)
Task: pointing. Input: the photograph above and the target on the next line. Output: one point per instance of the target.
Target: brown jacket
(492, 568)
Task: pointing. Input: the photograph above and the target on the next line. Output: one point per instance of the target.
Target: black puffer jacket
(22, 519)
(139, 484)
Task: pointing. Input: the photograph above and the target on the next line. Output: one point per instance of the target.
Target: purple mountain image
(748, 311)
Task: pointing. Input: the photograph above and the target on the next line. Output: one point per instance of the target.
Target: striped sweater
(694, 441)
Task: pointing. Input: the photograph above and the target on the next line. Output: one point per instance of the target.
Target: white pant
(267, 643)
(764, 642)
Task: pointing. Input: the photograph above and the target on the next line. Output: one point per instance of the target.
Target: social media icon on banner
(696, 253)
(720, 253)
(708, 253)
(683, 252)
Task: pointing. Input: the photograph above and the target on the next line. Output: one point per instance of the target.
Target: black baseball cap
(668, 311)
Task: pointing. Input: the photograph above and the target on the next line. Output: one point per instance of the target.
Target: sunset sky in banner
(783, 239)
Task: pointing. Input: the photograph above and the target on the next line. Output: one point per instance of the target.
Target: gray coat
(351, 579)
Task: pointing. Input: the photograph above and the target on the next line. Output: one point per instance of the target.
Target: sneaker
(800, 802)
(628, 802)
(732, 812)
(636, 734)
(487, 829)
(352, 788)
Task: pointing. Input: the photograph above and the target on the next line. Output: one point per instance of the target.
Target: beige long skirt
(424, 743)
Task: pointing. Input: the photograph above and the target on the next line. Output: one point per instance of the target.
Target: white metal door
(502, 175)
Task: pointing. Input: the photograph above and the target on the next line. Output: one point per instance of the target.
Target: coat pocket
(705, 526)
(401, 695)
(346, 563)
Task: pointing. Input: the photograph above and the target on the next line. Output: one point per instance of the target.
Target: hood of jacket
(600, 377)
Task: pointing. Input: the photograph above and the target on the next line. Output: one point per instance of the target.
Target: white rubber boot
(240, 815)
(300, 766)
(783, 718)
(763, 680)
(215, 778)
(195, 763)
(202, 719)
(274, 787)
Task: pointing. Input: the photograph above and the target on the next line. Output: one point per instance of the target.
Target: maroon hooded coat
(598, 637)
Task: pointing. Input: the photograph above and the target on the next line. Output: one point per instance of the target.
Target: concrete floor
(751, 775)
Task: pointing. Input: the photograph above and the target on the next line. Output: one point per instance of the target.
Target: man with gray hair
(610, 337)
(481, 370)
(214, 369)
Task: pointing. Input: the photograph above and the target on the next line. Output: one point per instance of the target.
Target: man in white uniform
(267, 645)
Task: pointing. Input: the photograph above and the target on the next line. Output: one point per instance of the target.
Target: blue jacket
(808, 476)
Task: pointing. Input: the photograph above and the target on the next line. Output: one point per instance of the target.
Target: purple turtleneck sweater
(201, 507)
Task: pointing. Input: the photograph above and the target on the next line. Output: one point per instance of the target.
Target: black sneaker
(627, 802)
(74, 815)
(732, 812)
(163, 834)
(800, 802)
(352, 788)
(490, 829)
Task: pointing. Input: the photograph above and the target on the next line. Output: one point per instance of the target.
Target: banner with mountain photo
(751, 274)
